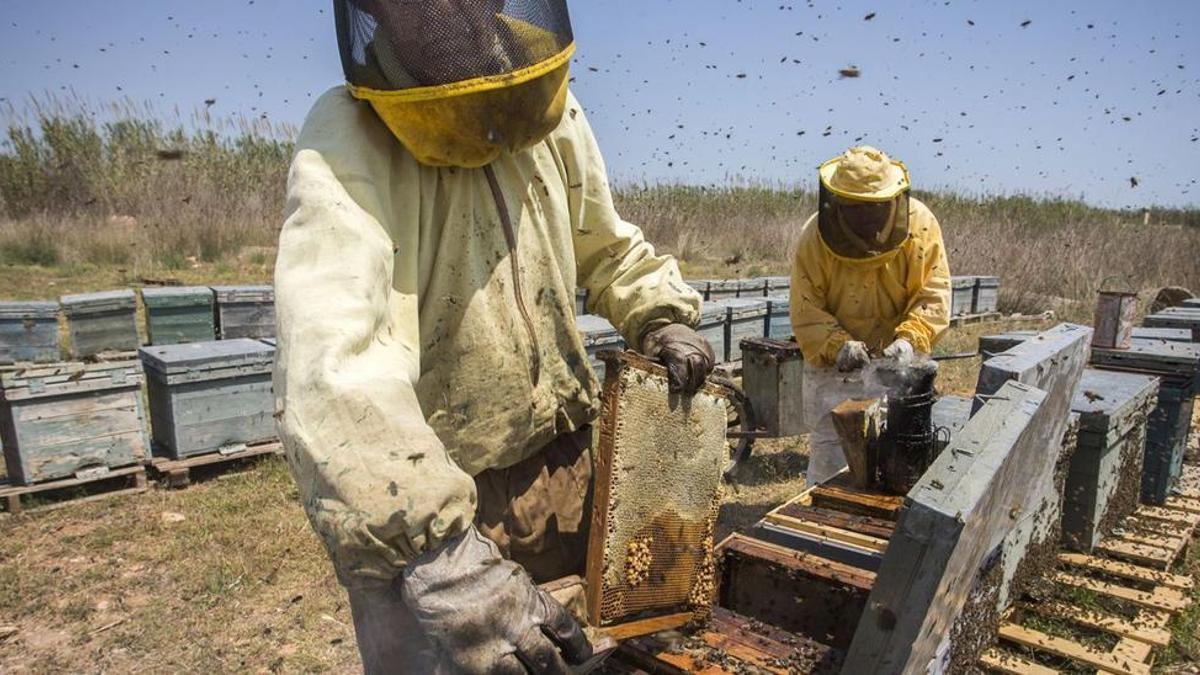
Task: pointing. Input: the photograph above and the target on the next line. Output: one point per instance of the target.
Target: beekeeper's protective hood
(863, 203)
(459, 81)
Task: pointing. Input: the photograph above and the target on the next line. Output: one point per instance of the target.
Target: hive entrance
(658, 477)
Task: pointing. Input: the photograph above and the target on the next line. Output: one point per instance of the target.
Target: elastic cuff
(833, 345)
(919, 342)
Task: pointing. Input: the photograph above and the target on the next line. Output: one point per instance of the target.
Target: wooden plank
(1163, 598)
(1006, 662)
(1170, 515)
(1065, 648)
(969, 502)
(838, 495)
(1103, 621)
(1128, 571)
(875, 527)
(822, 531)
(1140, 553)
(1185, 504)
(632, 629)
(1165, 542)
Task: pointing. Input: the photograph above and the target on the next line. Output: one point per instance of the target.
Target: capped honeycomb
(659, 459)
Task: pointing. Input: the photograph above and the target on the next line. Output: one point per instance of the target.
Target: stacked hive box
(245, 311)
(28, 332)
(581, 296)
(58, 420)
(778, 286)
(1176, 317)
(712, 326)
(1177, 364)
(207, 396)
(962, 295)
(178, 315)
(779, 319)
(1104, 481)
(986, 298)
(752, 288)
(723, 289)
(700, 285)
(598, 335)
(744, 318)
(101, 322)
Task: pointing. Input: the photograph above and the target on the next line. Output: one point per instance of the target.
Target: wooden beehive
(205, 396)
(581, 296)
(772, 378)
(659, 459)
(986, 296)
(1188, 318)
(57, 420)
(1177, 364)
(779, 319)
(245, 311)
(101, 322)
(598, 335)
(1104, 481)
(744, 318)
(1168, 334)
(962, 294)
(752, 288)
(778, 286)
(723, 289)
(701, 286)
(29, 332)
(176, 315)
(713, 317)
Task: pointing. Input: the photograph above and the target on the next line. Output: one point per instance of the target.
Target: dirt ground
(225, 575)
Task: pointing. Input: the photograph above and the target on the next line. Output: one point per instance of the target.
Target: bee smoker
(909, 443)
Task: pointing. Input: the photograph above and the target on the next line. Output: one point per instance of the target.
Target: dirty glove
(686, 354)
(900, 349)
(852, 356)
(483, 614)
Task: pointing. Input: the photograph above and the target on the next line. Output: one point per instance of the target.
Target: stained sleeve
(818, 332)
(628, 283)
(928, 312)
(376, 482)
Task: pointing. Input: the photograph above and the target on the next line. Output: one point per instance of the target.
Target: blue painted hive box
(59, 419)
(779, 318)
(598, 335)
(101, 322)
(245, 311)
(744, 318)
(1177, 364)
(962, 295)
(205, 396)
(986, 297)
(713, 318)
(178, 315)
(1104, 480)
(29, 332)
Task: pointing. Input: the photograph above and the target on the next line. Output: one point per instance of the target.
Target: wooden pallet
(178, 472)
(1137, 636)
(87, 486)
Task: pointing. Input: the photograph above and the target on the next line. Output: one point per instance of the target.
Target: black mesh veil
(402, 44)
(853, 240)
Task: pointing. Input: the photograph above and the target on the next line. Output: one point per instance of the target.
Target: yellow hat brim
(897, 183)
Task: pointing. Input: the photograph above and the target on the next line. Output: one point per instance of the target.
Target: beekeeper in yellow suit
(870, 279)
(433, 395)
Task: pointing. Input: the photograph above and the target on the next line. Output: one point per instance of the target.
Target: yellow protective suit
(407, 363)
(902, 293)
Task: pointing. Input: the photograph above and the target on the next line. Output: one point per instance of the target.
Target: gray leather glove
(686, 354)
(852, 356)
(484, 614)
(900, 349)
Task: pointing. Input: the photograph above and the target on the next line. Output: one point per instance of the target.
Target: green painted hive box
(29, 332)
(101, 322)
(57, 420)
(205, 396)
(1104, 480)
(178, 315)
(245, 311)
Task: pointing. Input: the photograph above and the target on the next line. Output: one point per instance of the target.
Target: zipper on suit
(510, 236)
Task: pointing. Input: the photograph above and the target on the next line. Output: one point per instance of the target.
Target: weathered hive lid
(1180, 311)
(1177, 362)
(723, 285)
(105, 301)
(177, 296)
(988, 282)
(596, 330)
(1170, 334)
(779, 282)
(712, 312)
(56, 379)
(201, 356)
(776, 304)
(244, 293)
(1104, 398)
(743, 308)
(755, 285)
(962, 282)
(37, 309)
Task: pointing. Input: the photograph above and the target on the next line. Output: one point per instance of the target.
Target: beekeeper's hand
(901, 350)
(686, 354)
(852, 356)
(484, 615)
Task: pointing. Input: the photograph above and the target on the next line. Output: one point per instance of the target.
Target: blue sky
(705, 91)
